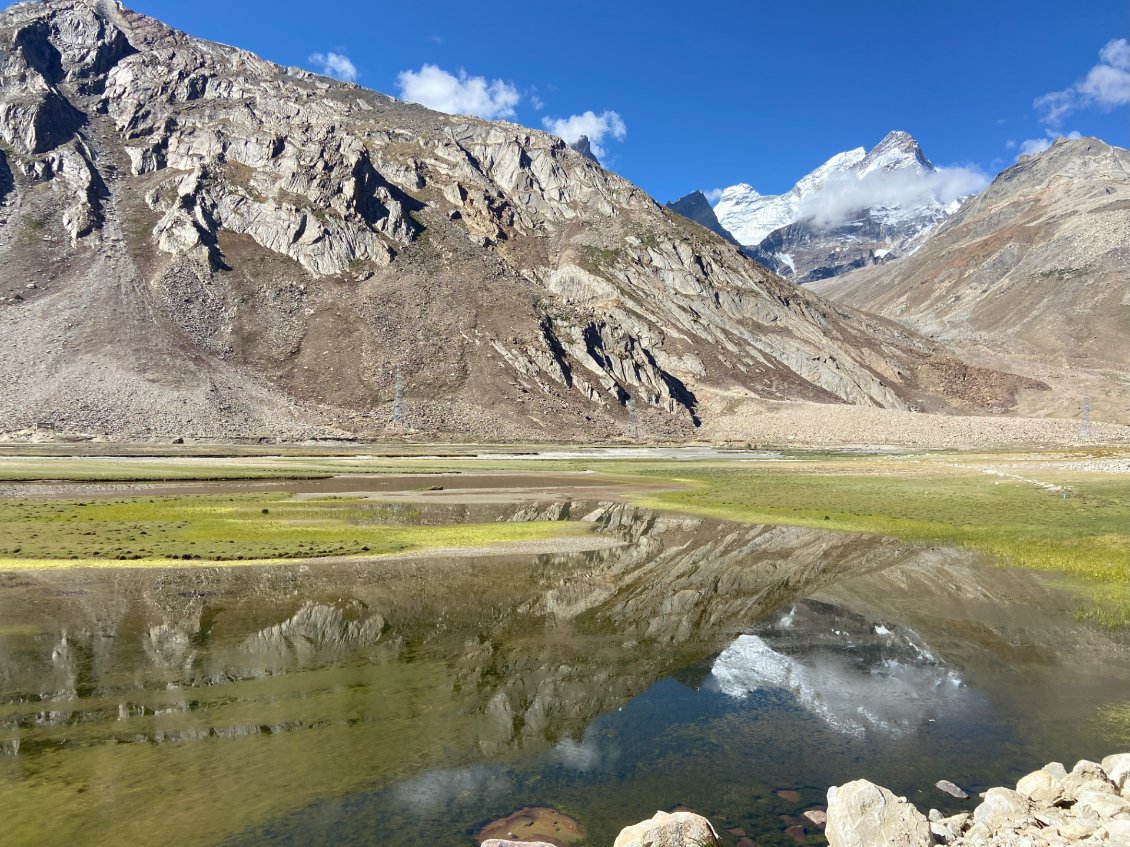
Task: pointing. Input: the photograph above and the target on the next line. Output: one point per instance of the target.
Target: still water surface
(409, 702)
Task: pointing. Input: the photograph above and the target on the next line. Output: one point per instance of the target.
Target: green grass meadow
(1081, 533)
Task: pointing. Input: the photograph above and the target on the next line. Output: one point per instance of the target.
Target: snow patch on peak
(894, 181)
(741, 191)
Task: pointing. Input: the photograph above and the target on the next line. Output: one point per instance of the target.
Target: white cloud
(537, 102)
(1039, 145)
(437, 89)
(1034, 145)
(596, 127)
(336, 65)
(844, 194)
(713, 195)
(1106, 86)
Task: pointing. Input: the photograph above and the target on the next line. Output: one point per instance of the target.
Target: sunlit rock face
(854, 674)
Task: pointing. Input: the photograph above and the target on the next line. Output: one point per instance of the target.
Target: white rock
(1117, 832)
(1101, 803)
(1002, 806)
(664, 829)
(1040, 786)
(862, 814)
(1117, 768)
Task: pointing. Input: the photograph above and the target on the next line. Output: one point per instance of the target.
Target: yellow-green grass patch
(1082, 535)
(217, 529)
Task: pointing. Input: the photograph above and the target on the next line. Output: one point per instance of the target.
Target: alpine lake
(341, 648)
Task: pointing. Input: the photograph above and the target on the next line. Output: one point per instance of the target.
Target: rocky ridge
(202, 243)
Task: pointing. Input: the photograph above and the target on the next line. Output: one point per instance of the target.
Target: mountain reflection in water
(419, 697)
(854, 675)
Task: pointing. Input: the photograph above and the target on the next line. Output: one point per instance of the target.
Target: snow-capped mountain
(860, 207)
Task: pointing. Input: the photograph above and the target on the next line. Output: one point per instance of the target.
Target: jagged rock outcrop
(583, 146)
(696, 207)
(202, 243)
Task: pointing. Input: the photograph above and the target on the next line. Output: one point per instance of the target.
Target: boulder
(1117, 832)
(1117, 769)
(1040, 786)
(664, 829)
(862, 814)
(1102, 803)
(1002, 806)
(1086, 776)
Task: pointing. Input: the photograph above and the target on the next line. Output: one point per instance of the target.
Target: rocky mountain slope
(198, 242)
(859, 208)
(1032, 273)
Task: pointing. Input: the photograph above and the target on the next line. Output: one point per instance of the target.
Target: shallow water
(411, 701)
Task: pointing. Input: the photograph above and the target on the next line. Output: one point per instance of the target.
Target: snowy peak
(840, 163)
(860, 207)
(752, 216)
(896, 151)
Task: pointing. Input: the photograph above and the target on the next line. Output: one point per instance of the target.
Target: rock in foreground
(1089, 805)
(862, 814)
(664, 829)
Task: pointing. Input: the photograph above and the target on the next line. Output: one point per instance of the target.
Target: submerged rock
(664, 829)
(531, 826)
(951, 789)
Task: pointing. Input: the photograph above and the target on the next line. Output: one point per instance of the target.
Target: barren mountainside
(1033, 270)
(198, 242)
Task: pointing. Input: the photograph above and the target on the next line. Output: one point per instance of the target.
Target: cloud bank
(845, 194)
(336, 65)
(1106, 86)
(437, 89)
(596, 127)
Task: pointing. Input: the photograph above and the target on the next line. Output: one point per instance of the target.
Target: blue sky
(707, 94)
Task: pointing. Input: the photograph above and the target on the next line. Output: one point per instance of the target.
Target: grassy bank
(1079, 531)
(217, 529)
(1004, 505)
